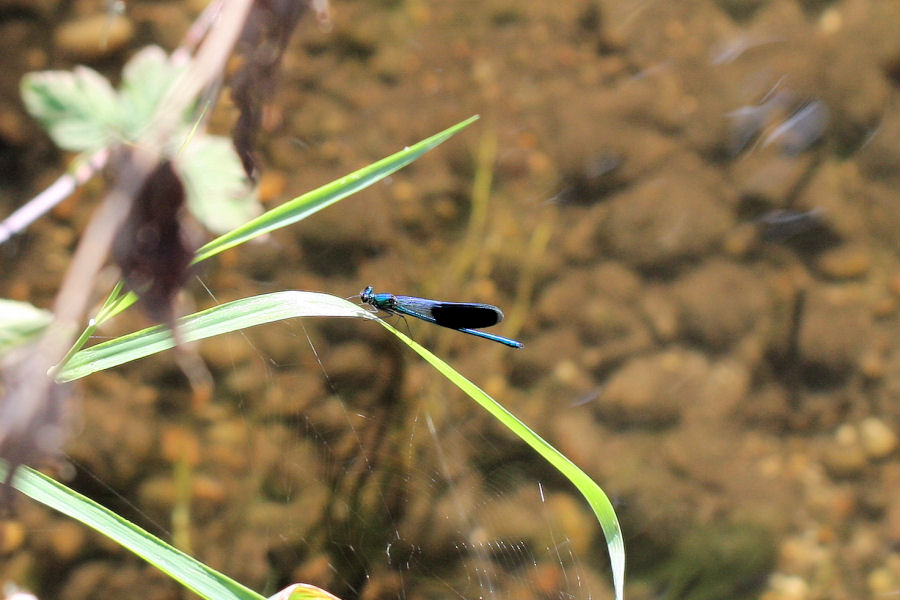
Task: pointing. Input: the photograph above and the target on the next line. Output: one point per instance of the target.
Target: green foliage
(20, 323)
(267, 308)
(145, 80)
(78, 108)
(720, 560)
(217, 192)
(46, 95)
(83, 113)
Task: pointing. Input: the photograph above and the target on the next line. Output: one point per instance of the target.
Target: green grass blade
(266, 308)
(224, 318)
(191, 573)
(311, 202)
(595, 496)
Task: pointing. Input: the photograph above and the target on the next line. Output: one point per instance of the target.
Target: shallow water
(733, 392)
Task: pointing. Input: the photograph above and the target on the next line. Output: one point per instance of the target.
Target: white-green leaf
(145, 80)
(78, 108)
(20, 322)
(217, 191)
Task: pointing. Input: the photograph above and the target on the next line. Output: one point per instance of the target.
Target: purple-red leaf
(153, 247)
(266, 33)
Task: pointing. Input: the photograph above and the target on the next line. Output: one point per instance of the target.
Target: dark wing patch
(465, 316)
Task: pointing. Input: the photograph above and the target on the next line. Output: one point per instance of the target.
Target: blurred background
(688, 213)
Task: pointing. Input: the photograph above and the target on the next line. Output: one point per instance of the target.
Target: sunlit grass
(258, 310)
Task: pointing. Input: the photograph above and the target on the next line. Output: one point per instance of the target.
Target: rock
(664, 219)
(93, 37)
(883, 214)
(652, 391)
(720, 301)
(661, 310)
(770, 179)
(612, 331)
(845, 262)
(834, 330)
(834, 191)
(856, 90)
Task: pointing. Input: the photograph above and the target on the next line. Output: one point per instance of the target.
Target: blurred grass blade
(302, 206)
(191, 573)
(225, 318)
(595, 496)
(266, 308)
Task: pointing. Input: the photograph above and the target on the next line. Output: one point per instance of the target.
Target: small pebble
(93, 37)
(67, 539)
(871, 363)
(878, 440)
(884, 306)
(881, 582)
(845, 262)
(316, 570)
(272, 184)
(786, 587)
(661, 311)
(831, 21)
(895, 285)
(845, 457)
(568, 516)
(12, 534)
(835, 329)
(157, 493)
(740, 240)
(179, 443)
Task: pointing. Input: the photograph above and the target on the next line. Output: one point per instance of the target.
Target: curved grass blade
(224, 318)
(592, 492)
(266, 308)
(191, 573)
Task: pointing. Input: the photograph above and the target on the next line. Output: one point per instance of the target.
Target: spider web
(328, 455)
(422, 494)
